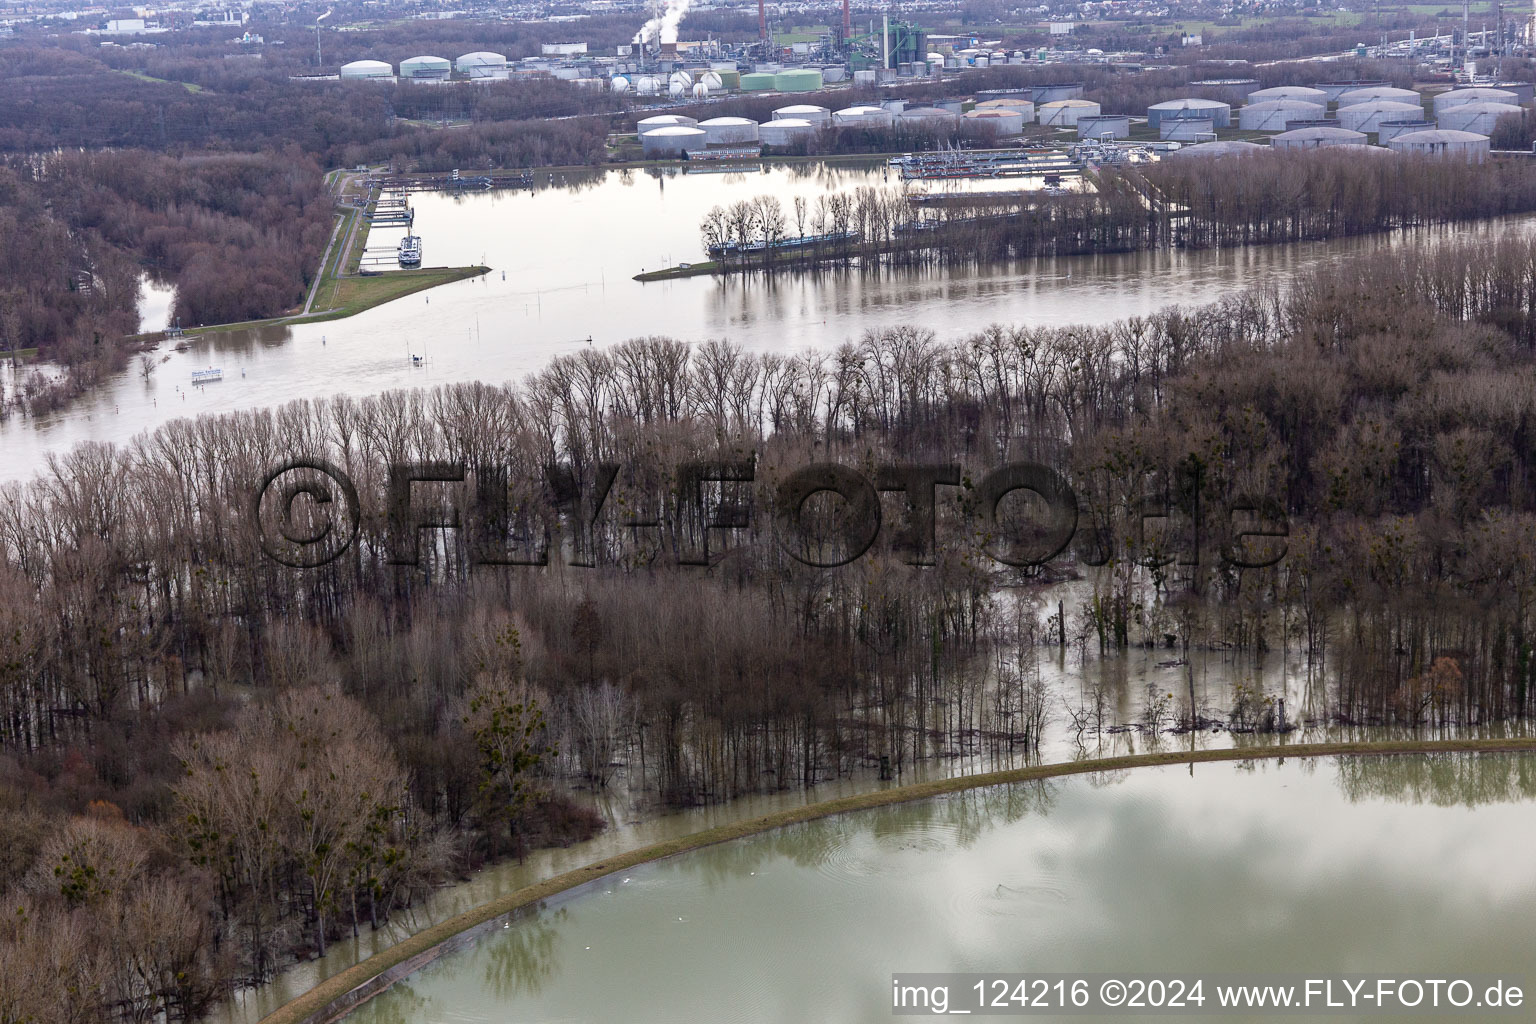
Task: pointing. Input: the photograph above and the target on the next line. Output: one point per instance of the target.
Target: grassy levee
(337, 996)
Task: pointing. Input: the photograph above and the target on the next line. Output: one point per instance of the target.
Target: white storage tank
(1475, 117)
(1316, 138)
(1064, 113)
(1274, 115)
(482, 64)
(933, 117)
(650, 124)
(720, 131)
(367, 70)
(1222, 147)
(863, 117)
(1185, 129)
(1215, 110)
(1026, 108)
(1457, 97)
(1373, 94)
(803, 112)
(1442, 142)
(426, 69)
(866, 77)
(1389, 130)
(1367, 117)
(1289, 92)
(672, 141)
(1104, 126)
(782, 131)
(997, 121)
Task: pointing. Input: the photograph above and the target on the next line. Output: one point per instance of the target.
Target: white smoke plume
(666, 15)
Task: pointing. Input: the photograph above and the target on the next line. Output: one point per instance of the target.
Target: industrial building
(1475, 117)
(426, 69)
(1367, 117)
(1316, 138)
(1441, 142)
(367, 70)
(1213, 110)
(1277, 115)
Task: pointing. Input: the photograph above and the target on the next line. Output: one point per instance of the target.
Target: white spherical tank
(700, 91)
(1273, 115)
(712, 81)
(729, 130)
(618, 83)
(647, 85)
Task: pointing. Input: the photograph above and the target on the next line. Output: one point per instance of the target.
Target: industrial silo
(367, 70)
(1185, 129)
(1378, 93)
(1389, 130)
(1459, 97)
(1215, 110)
(1104, 126)
(1316, 138)
(482, 64)
(863, 117)
(426, 69)
(995, 120)
(783, 131)
(797, 80)
(1289, 92)
(803, 112)
(1274, 115)
(1443, 142)
(1064, 113)
(1475, 117)
(672, 141)
(1367, 117)
(729, 131)
(756, 81)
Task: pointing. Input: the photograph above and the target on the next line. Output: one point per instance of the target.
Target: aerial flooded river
(563, 257)
(1407, 866)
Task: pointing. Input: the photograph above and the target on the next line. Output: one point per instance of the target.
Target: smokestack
(885, 43)
(847, 22)
(762, 22)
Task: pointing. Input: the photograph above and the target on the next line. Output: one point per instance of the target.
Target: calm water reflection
(563, 258)
(1369, 865)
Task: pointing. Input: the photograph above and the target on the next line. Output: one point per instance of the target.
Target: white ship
(410, 251)
(207, 376)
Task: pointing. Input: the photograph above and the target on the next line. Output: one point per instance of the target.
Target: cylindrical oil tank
(865, 77)
(1026, 108)
(1443, 142)
(1389, 130)
(863, 117)
(1056, 92)
(803, 112)
(1316, 138)
(1064, 113)
(797, 80)
(729, 130)
(928, 117)
(1216, 110)
(1458, 97)
(1337, 89)
(1378, 93)
(1525, 92)
(756, 81)
(834, 73)
(650, 124)
(362, 70)
(482, 64)
(1475, 117)
(1102, 126)
(998, 121)
(1289, 92)
(782, 131)
(1273, 115)
(1221, 147)
(1367, 117)
(426, 69)
(1228, 90)
(672, 140)
(1185, 129)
